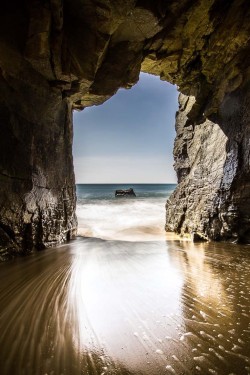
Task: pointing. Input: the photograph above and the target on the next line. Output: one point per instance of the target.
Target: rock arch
(57, 56)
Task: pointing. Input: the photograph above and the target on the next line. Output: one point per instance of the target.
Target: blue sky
(129, 138)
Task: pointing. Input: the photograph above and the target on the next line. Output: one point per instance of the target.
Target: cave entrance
(127, 142)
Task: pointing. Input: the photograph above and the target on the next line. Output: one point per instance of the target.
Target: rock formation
(125, 193)
(212, 164)
(56, 56)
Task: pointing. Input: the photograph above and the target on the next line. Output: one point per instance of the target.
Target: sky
(130, 137)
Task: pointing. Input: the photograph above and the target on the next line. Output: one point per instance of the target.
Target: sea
(102, 215)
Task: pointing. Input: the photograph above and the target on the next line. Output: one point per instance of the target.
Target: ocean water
(102, 215)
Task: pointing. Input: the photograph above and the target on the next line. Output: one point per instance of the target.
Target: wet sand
(116, 307)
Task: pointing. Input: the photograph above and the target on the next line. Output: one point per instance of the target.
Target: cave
(59, 56)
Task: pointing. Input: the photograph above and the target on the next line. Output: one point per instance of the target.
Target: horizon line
(127, 183)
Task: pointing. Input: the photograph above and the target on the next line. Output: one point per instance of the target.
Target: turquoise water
(102, 215)
(107, 191)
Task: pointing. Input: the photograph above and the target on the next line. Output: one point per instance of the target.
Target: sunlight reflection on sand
(126, 308)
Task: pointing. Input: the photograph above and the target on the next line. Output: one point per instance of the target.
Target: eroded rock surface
(57, 56)
(37, 189)
(212, 163)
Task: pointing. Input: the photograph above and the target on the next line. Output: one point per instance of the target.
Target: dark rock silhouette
(59, 56)
(125, 193)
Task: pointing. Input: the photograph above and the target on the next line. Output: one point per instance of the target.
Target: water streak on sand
(113, 307)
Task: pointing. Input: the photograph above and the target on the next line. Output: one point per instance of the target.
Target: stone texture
(37, 186)
(212, 199)
(200, 155)
(57, 56)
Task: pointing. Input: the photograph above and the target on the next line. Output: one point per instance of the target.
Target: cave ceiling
(91, 48)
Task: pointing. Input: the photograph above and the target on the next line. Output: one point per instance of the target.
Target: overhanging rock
(57, 56)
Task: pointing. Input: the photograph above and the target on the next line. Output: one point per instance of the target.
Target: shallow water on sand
(120, 307)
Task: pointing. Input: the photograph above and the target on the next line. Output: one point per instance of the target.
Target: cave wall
(200, 155)
(212, 199)
(56, 56)
(37, 185)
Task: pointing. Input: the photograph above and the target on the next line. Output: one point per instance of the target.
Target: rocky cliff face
(37, 189)
(212, 163)
(56, 56)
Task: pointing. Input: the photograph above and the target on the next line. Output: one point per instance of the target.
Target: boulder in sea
(125, 193)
